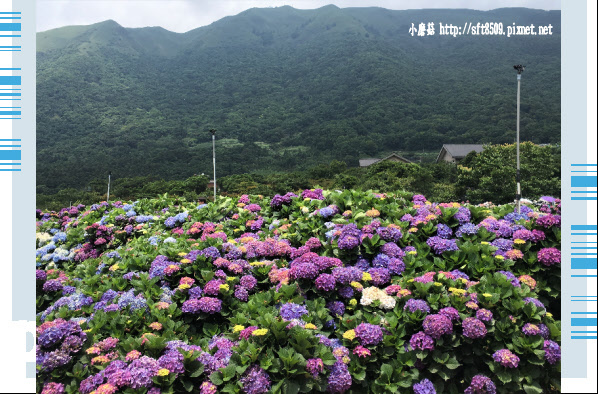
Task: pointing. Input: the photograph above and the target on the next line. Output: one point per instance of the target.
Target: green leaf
(533, 388)
(216, 378)
(290, 387)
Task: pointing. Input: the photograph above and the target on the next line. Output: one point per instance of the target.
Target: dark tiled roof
(459, 151)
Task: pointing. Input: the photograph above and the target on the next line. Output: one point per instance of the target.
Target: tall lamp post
(213, 132)
(108, 194)
(519, 69)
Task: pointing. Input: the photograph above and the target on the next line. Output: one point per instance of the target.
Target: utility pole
(213, 132)
(519, 69)
(108, 194)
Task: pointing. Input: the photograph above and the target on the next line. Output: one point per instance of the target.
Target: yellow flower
(93, 350)
(185, 261)
(519, 241)
(113, 267)
(162, 372)
(350, 335)
(548, 314)
(485, 243)
(184, 286)
(412, 252)
(230, 278)
(372, 213)
(463, 280)
(413, 230)
(437, 284)
(487, 295)
(499, 257)
(410, 281)
(353, 302)
(310, 326)
(366, 276)
(260, 332)
(88, 330)
(356, 285)
(182, 254)
(457, 292)
(238, 328)
(99, 360)
(224, 287)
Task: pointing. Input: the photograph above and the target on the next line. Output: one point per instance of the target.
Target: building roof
(369, 162)
(459, 151)
(393, 154)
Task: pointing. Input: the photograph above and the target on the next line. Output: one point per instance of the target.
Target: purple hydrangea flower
(340, 379)
(534, 301)
(463, 215)
(325, 282)
(549, 256)
(444, 231)
(512, 278)
(204, 304)
(315, 366)
(506, 358)
(40, 275)
(437, 325)
(369, 334)
(481, 384)
(503, 244)
(441, 245)
(380, 276)
(474, 328)
(241, 293)
(255, 381)
(530, 329)
(346, 292)
(552, 351)
(52, 285)
(466, 229)
(450, 312)
(336, 308)
(416, 305)
(484, 315)
(248, 282)
(424, 387)
(290, 311)
(421, 341)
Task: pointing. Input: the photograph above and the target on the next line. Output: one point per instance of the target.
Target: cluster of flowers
(232, 258)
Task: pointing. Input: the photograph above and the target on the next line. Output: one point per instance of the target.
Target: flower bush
(315, 291)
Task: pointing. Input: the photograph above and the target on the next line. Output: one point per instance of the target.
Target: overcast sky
(184, 15)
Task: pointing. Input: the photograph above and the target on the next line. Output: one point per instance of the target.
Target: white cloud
(184, 15)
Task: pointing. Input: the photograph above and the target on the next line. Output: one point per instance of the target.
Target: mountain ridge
(286, 88)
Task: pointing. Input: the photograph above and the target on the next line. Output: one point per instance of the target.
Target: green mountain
(286, 89)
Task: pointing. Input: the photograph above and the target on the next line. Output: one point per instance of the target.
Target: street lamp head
(519, 68)
(213, 131)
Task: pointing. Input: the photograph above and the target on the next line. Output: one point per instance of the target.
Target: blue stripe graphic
(10, 27)
(583, 322)
(10, 80)
(583, 181)
(10, 154)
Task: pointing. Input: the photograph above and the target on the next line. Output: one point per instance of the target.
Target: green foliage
(287, 89)
(491, 174)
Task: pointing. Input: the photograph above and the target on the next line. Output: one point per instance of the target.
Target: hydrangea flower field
(341, 292)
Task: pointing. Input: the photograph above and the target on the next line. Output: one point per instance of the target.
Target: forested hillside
(286, 89)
